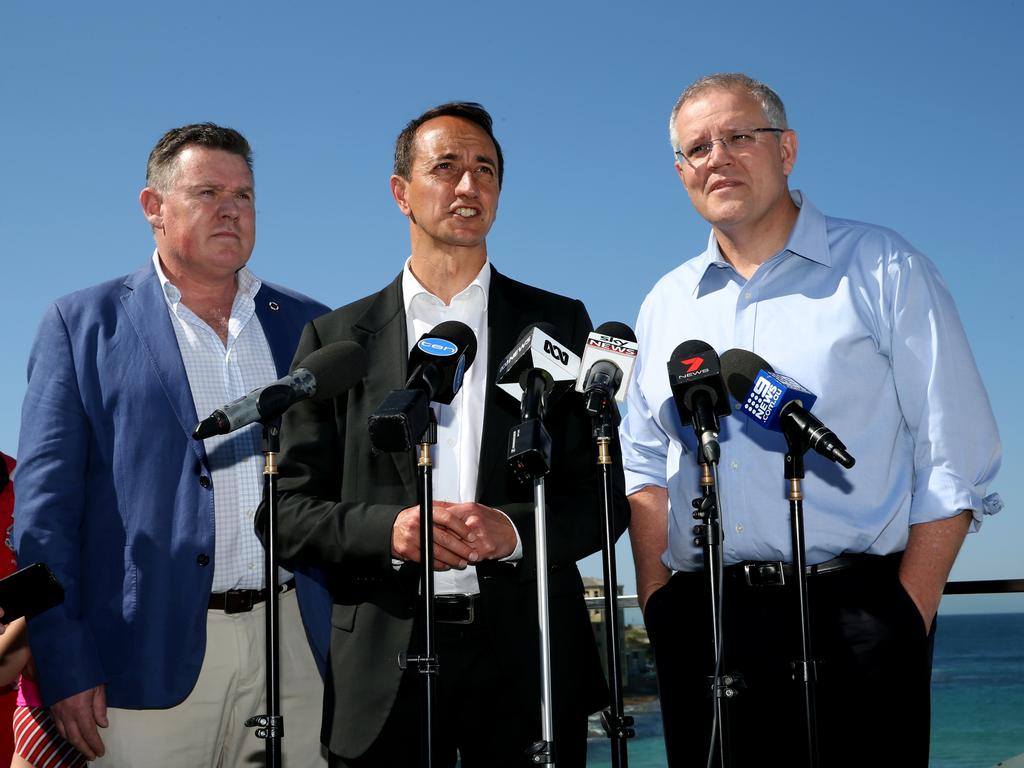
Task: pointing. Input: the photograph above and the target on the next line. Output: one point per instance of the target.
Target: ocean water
(977, 698)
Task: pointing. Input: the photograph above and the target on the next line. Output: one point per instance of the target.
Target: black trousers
(873, 690)
(478, 715)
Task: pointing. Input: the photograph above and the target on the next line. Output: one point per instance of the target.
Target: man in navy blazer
(150, 532)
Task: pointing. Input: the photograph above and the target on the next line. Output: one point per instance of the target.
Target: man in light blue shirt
(858, 316)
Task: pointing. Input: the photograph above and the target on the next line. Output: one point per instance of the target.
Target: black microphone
(323, 373)
(537, 370)
(695, 375)
(607, 365)
(440, 359)
(539, 352)
(437, 364)
(779, 403)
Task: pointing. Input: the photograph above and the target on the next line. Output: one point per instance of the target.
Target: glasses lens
(740, 140)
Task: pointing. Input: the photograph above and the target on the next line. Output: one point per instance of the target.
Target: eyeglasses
(736, 141)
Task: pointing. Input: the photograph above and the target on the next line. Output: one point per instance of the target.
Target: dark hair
(161, 166)
(467, 110)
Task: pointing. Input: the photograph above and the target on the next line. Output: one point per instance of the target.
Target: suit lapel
(385, 339)
(280, 337)
(144, 303)
(505, 321)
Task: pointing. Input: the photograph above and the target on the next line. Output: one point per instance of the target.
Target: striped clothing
(36, 740)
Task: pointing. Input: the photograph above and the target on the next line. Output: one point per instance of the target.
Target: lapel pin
(274, 306)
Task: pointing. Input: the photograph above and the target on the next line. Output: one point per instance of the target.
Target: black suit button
(203, 559)
(204, 481)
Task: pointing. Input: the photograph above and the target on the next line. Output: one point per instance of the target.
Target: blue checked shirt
(858, 316)
(217, 374)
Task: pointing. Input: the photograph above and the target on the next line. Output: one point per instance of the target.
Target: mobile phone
(28, 592)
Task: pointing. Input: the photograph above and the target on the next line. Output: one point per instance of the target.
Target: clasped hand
(464, 534)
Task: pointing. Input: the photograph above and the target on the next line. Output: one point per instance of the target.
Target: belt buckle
(764, 574)
(238, 600)
(470, 609)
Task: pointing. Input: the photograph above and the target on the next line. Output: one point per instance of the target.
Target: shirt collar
(476, 291)
(809, 239)
(248, 284)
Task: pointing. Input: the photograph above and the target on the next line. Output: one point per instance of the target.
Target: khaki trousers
(207, 729)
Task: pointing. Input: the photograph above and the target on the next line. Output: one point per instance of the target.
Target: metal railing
(979, 587)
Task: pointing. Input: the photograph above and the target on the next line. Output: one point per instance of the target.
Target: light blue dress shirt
(858, 316)
(220, 372)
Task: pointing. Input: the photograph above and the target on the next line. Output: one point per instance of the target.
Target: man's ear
(399, 188)
(152, 207)
(788, 144)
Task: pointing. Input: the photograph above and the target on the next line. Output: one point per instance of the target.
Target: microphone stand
(617, 725)
(805, 667)
(426, 664)
(710, 536)
(530, 458)
(271, 725)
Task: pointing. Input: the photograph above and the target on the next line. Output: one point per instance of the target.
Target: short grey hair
(771, 105)
(162, 166)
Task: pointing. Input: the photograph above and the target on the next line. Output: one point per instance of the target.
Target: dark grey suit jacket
(338, 503)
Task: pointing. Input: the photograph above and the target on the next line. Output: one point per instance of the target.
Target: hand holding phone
(28, 592)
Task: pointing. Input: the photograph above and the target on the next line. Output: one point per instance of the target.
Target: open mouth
(466, 213)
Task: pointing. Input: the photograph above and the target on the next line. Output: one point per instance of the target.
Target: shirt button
(734, 464)
(251, 566)
(204, 481)
(203, 559)
(739, 527)
(748, 295)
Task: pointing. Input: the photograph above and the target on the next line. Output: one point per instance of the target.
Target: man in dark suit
(354, 512)
(159, 640)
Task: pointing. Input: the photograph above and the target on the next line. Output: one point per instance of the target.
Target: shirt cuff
(517, 553)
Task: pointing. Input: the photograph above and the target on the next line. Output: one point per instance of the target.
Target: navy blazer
(116, 496)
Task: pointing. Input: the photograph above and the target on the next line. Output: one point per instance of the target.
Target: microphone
(323, 374)
(538, 351)
(695, 375)
(437, 363)
(779, 403)
(608, 360)
(536, 371)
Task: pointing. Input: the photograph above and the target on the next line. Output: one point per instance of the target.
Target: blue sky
(909, 115)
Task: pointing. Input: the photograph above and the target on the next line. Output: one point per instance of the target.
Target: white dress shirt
(460, 425)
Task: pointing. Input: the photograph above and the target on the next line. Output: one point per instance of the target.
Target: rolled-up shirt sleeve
(956, 442)
(644, 442)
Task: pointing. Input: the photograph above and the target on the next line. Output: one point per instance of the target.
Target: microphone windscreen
(617, 330)
(543, 326)
(740, 368)
(335, 367)
(459, 334)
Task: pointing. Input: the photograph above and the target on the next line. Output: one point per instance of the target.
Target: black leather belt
(778, 573)
(455, 609)
(242, 600)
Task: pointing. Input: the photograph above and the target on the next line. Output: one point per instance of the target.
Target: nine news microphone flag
(779, 403)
